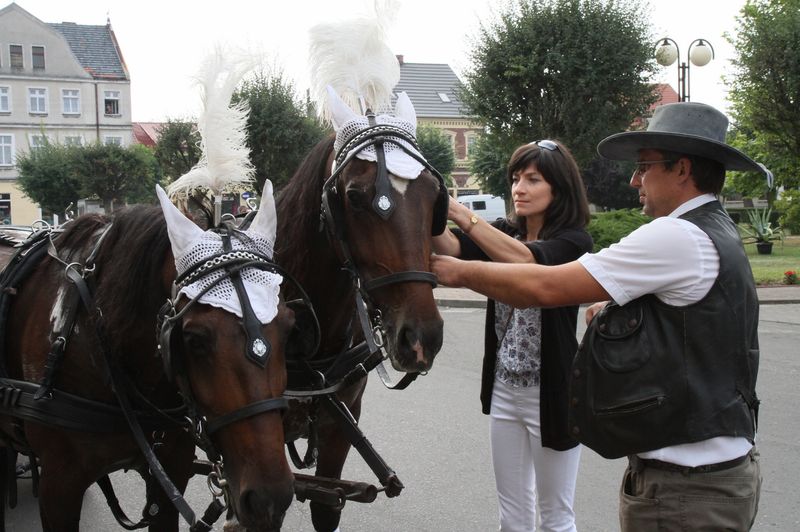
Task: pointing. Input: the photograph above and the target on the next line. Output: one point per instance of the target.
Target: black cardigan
(558, 333)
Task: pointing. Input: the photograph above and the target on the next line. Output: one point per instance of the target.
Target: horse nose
(264, 509)
(420, 345)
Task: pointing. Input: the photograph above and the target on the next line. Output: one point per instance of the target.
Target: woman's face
(530, 192)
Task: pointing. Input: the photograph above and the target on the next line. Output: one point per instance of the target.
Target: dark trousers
(655, 497)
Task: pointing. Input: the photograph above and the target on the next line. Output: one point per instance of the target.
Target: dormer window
(443, 97)
(37, 57)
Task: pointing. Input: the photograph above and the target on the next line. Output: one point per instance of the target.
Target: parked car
(488, 207)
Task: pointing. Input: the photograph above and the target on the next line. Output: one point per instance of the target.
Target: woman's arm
(497, 245)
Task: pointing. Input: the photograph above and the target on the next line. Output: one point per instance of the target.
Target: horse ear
(340, 111)
(404, 109)
(182, 231)
(265, 222)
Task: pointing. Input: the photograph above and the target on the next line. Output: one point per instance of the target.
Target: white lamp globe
(666, 53)
(701, 54)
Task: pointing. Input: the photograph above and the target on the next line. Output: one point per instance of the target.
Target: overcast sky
(163, 42)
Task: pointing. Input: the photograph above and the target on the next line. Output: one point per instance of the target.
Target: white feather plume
(353, 57)
(225, 161)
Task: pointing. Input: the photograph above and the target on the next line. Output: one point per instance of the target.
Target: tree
(47, 177)
(116, 174)
(55, 176)
(488, 160)
(280, 130)
(574, 70)
(765, 90)
(178, 148)
(608, 184)
(437, 150)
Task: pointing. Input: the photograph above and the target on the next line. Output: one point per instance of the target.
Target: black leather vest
(649, 375)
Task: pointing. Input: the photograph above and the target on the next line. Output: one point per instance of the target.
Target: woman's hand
(459, 214)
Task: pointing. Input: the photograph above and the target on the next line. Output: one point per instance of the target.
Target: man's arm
(522, 285)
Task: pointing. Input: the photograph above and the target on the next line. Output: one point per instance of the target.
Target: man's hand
(447, 270)
(594, 309)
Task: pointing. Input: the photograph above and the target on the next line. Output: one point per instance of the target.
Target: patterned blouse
(519, 359)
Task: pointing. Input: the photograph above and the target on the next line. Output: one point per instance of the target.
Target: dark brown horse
(128, 264)
(354, 246)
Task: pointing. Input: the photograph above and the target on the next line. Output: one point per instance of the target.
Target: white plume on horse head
(225, 160)
(352, 57)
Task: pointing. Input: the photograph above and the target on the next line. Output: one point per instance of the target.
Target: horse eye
(196, 342)
(357, 199)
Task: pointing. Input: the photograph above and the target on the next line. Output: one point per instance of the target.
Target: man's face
(657, 186)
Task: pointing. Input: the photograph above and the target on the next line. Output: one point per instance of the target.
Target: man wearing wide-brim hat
(666, 372)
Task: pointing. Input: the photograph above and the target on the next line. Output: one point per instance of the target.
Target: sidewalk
(465, 298)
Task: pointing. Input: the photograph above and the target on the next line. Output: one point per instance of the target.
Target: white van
(488, 207)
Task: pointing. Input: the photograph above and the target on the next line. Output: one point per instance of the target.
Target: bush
(608, 228)
(789, 207)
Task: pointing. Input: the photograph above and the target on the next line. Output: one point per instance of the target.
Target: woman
(528, 351)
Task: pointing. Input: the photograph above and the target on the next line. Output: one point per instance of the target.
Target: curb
(481, 303)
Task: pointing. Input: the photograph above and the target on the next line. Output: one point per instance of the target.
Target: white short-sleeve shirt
(678, 263)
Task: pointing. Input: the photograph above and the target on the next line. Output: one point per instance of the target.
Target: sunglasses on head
(546, 144)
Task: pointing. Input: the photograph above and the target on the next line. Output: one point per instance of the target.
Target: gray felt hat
(685, 127)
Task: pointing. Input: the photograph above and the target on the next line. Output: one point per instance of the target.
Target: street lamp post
(700, 54)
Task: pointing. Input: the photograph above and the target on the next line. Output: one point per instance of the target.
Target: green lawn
(768, 269)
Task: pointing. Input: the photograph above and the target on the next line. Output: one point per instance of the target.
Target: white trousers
(525, 472)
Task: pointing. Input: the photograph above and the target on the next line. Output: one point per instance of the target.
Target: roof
(424, 82)
(666, 94)
(147, 133)
(96, 49)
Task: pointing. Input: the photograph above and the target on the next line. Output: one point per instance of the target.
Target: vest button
(575, 401)
(576, 431)
(602, 327)
(576, 373)
(632, 323)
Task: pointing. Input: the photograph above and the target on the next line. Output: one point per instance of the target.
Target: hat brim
(625, 147)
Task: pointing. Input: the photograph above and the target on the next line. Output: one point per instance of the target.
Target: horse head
(223, 337)
(382, 202)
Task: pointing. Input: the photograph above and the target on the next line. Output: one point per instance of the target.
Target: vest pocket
(633, 407)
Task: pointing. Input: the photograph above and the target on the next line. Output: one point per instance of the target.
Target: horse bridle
(257, 349)
(375, 135)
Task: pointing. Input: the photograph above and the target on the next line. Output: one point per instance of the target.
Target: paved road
(437, 441)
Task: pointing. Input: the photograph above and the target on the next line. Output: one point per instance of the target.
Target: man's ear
(685, 167)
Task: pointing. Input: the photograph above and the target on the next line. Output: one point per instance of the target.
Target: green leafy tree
(178, 148)
(116, 174)
(765, 92)
(608, 184)
(488, 160)
(574, 70)
(47, 176)
(437, 150)
(280, 128)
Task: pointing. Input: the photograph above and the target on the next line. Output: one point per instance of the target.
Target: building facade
(433, 89)
(59, 82)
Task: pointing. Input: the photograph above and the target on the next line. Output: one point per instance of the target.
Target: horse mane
(129, 267)
(298, 205)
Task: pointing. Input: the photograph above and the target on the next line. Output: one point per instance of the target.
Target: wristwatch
(473, 221)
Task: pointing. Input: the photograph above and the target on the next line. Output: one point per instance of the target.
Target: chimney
(399, 59)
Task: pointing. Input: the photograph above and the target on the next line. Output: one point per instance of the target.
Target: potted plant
(758, 228)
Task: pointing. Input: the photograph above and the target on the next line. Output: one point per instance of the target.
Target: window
(71, 101)
(5, 99)
(6, 150)
(37, 101)
(15, 53)
(37, 57)
(111, 102)
(471, 143)
(5, 208)
(76, 140)
(116, 141)
(36, 141)
(443, 97)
